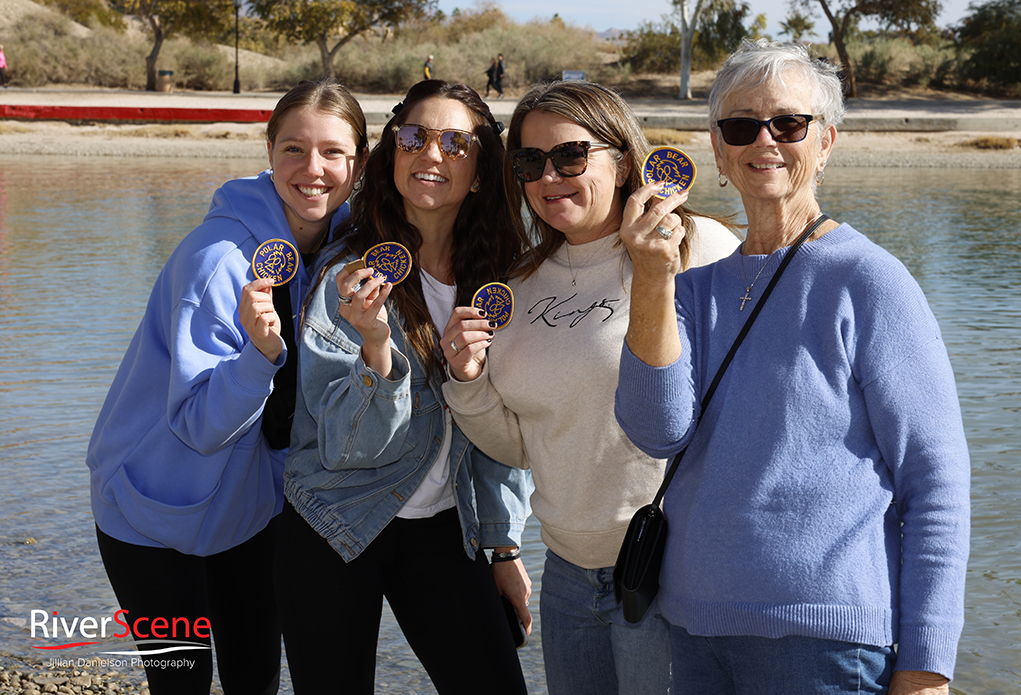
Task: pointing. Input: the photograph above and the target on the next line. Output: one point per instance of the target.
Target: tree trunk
(687, 34)
(839, 32)
(848, 66)
(150, 60)
(685, 92)
(325, 55)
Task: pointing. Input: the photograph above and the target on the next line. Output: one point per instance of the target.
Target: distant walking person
(498, 84)
(491, 76)
(427, 69)
(3, 68)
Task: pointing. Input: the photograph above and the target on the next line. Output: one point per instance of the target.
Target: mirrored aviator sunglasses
(785, 129)
(453, 144)
(570, 159)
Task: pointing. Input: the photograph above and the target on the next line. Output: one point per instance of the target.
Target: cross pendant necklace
(748, 290)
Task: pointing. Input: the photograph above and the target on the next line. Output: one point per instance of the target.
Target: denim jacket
(362, 444)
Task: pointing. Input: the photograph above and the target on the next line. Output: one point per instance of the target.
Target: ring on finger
(346, 301)
(664, 232)
(453, 346)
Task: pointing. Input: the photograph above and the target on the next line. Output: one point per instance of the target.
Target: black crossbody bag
(636, 574)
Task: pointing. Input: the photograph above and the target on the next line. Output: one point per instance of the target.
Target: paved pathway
(864, 115)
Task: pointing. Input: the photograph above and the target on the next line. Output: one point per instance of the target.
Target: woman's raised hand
(259, 317)
(464, 342)
(363, 297)
(653, 237)
(653, 241)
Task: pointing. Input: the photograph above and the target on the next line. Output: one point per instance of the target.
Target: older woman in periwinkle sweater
(820, 514)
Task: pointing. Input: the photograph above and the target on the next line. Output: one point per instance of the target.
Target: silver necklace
(574, 275)
(748, 290)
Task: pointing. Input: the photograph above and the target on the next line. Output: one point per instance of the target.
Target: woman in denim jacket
(386, 496)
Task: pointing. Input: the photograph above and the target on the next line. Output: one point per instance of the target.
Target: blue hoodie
(177, 457)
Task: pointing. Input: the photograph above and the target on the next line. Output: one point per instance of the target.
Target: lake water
(82, 239)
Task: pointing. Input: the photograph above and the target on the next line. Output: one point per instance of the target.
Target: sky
(620, 14)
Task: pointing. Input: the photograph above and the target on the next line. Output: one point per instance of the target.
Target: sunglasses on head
(454, 144)
(744, 131)
(568, 158)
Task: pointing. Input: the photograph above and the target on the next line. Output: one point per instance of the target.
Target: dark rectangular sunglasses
(744, 131)
(570, 159)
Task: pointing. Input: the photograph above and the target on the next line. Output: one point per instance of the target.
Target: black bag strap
(278, 413)
(675, 463)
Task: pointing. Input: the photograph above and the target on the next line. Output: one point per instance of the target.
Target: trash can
(164, 80)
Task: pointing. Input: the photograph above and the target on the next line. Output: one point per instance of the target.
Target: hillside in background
(46, 48)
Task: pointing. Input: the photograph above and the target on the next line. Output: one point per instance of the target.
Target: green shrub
(874, 63)
(532, 52)
(653, 48)
(989, 40)
(44, 50)
(886, 60)
(198, 67)
(932, 66)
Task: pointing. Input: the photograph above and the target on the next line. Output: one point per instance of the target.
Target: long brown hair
(486, 242)
(605, 114)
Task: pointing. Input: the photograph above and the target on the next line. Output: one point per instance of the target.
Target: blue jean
(588, 647)
(789, 665)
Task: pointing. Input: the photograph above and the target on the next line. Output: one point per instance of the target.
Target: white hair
(761, 61)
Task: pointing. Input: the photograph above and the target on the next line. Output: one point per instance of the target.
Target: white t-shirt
(435, 493)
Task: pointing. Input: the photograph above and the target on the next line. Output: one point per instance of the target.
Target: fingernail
(492, 324)
(482, 313)
(490, 332)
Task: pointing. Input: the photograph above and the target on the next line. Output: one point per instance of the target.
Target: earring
(722, 178)
(475, 186)
(359, 183)
(820, 176)
(271, 176)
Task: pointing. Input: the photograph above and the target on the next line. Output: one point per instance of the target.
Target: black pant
(447, 606)
(233, 589)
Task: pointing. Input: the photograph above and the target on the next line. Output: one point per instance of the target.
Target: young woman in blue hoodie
(386, 496)
(187, 455)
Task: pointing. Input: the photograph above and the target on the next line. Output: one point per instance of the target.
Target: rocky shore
(23, 678)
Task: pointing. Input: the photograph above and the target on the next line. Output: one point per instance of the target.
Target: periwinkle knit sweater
(825, 493)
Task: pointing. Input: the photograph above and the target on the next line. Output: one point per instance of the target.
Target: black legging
(447, 605)
(233, 589)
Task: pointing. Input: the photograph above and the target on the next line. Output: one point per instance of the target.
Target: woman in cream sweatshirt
(539, 393)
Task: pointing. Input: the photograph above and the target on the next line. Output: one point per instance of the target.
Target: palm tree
(797, 25)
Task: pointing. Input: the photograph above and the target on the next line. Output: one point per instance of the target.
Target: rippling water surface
(82, 240)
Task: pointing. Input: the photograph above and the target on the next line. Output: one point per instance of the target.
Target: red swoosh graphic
(68, 646)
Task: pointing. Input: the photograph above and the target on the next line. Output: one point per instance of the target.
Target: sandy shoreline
(949, 149)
